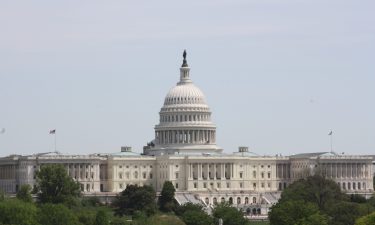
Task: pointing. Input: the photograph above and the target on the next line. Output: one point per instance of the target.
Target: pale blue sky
(278, 74)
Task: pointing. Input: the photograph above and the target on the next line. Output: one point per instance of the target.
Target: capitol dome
(185, 120)
(185, 94)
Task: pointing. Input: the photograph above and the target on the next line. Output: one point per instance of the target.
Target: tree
(344, 213)
(24, 193)
(55, 185)
(295, 212)
(229, 214)
(180, 210)
(196, 218)
(135, 198)
(166, 199)
(193, 214)
(101, 218)
(366, 220)
(56, 214)
(315, 189)
(14, 211)
(2, 195)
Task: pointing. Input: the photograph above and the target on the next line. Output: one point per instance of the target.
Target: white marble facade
(184, 151)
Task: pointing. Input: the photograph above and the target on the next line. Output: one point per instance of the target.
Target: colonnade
(8, 172)
(210, 171)
(186, 137)
(346, 170)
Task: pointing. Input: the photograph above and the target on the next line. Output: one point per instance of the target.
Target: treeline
(319, 201)
(59, 202)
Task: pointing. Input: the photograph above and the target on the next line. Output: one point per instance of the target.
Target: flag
(330, 133)
(52, 131)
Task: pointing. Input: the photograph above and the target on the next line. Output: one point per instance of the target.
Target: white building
(184, 152)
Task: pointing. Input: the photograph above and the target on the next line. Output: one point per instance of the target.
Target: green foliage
(24, 193)
(229, 214)
(135, 198)
(314, 189)
(357, 198)
(101, 218)
(166, 199)
(120, 221)
(366, 220)
(344, 213)
(2, 195)
(56, 214)
(14, 211)
(55, 185)
(180, 210)
(316, 200)
(293, 212)
(161, 220)
(196, 218)
(193, 214)
(91, 201)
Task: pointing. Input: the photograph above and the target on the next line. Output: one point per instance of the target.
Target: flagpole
(331, 143)
(55, 141)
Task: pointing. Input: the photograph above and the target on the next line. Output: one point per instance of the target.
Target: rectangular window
(176, 175)
(269, 175)
(241, 174)
(176, 185)
(195, 185)
(204, 185)
(228, 185)
(241, 185)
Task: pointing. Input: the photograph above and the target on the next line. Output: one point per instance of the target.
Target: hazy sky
(277, 74)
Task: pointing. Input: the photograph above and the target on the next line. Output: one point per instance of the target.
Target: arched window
(222, 199)
(207, 201)
(230, 200)
(215, 201)
(254, 200)
(136, 175)
(344, 186)
(238, 200)
(359, 185)
(246, 200)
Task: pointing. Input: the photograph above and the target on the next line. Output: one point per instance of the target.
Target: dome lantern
(184, 71)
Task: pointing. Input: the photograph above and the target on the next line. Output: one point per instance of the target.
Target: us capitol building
(184, 151)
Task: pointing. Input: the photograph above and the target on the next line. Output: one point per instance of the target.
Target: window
(254, 174)
(228, 185)
(254, 185)
(262, 185)
(262, 174)
(195, 185)
(241, 174)
(204, 185)
(218, 185)
(269, 175)
(241, 185)
(121, 186)
(254, 200)
(269, 185)
(150, 175)
(127, 175)
(176, 185)
(144, 175)
(177, 175)
(136, 175)
(120, 175)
